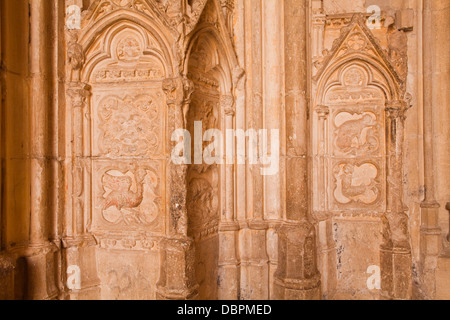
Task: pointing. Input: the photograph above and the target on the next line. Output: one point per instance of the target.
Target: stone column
(2, 138)
(327, 247)
(6, 265)
(297, 277)
(396, 264)
(41, 254)
(228, 288)
(273, 87)
(430, 241)
(177, 276)
(79, 245)
(253, 253)
(273, 58)
(39, 73)
(322, 199)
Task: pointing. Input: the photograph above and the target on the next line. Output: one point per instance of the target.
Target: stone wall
(93, 205)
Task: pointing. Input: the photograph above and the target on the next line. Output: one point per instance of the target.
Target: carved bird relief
(126, 201)
(121, 195)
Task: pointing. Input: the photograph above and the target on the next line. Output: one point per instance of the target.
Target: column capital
(178, 90)
(319, 18)
(322, 111)
(78, 92)
(396, 109)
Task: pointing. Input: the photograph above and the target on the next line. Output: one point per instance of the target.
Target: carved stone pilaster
(297, 277)
(79, 245)
(396, 260)
(322, 113)
(228, 288)
(177, 276)
(322, 149)
(78, 94)
(178, 93)
(395, 117)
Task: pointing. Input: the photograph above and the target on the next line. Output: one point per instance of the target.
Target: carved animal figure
(121, 195)
(348, 189)
(354, 134)
(366, 193)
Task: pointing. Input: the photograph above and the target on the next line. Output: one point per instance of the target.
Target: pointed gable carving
(357, 42)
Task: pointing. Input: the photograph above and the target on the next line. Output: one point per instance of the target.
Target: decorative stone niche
(353, 146)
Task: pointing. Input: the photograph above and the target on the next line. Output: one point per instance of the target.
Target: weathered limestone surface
(96, 94)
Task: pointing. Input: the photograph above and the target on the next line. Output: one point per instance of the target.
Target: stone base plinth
(291, 289)
(396, 273)
(6, 278)
(177, 278)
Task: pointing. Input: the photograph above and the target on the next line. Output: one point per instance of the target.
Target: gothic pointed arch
(210, 62)
(212, 31)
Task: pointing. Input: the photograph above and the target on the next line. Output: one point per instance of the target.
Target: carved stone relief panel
(356, 184)
(128, 195)
(128, 123)
(127, 129)
(354, 136)
(203, 179)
